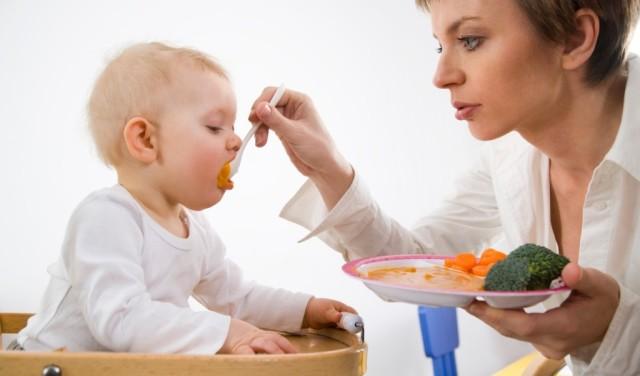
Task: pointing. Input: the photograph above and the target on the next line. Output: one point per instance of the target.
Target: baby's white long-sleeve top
(123, 282)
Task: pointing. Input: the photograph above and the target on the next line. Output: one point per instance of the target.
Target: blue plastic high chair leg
(439, 328)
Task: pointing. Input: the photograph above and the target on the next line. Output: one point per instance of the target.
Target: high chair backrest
(11, 323)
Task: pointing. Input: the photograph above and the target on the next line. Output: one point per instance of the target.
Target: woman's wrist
(334, 182)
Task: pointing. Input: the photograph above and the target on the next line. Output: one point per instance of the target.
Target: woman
(550, 85)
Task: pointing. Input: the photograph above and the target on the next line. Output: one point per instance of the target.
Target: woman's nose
(447, 73)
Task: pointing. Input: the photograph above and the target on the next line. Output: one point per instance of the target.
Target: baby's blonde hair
(130, 86)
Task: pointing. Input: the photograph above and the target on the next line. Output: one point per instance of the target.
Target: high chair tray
(322, 352)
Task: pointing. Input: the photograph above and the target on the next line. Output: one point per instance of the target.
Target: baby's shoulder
(109, 204)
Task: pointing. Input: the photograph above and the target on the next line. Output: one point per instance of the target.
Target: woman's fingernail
(265, 110)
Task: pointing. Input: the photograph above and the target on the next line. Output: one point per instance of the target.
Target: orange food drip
(224, 177)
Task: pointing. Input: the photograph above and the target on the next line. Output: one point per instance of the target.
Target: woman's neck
(584, 128)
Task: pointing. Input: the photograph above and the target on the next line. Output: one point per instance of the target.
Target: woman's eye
(470, 43)
(439, 49)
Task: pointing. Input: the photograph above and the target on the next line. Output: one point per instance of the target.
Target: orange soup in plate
(433, 276)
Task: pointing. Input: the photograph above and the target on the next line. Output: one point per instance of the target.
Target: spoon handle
(235, 164)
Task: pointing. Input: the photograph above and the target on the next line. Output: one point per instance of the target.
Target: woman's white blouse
(506, 196)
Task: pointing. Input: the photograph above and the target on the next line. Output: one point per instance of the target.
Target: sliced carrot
(466, 260)
(460, 268)
(492, 252)
(490, 256)
(482, 269)
(489, 260)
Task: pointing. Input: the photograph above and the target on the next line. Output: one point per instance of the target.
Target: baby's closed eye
(215, 129)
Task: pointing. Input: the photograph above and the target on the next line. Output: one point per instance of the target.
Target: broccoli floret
(528, 267)
(508, 276)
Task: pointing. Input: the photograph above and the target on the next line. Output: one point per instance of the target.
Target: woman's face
(502, 75)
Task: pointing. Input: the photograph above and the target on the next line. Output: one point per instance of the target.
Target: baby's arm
(224, 289)
(244, 338)
(103, 255)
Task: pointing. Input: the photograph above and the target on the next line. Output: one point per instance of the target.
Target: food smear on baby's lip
(431, 277)
(224, 177)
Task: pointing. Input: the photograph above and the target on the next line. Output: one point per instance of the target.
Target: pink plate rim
(351, 268)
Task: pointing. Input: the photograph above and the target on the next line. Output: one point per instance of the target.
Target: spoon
(235, 164)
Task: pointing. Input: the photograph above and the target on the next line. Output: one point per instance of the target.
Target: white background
(366, 63)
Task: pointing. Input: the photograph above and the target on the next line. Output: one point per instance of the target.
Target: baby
(163, 117)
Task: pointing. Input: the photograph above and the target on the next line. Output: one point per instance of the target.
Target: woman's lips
(466, 111)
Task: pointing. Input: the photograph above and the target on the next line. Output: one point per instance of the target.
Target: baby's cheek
(204, 163)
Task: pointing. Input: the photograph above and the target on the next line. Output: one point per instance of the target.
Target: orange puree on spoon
(224, 181)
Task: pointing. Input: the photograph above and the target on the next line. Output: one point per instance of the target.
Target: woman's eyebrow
(453, 28)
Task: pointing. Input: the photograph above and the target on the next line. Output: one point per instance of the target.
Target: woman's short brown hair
(555, 20)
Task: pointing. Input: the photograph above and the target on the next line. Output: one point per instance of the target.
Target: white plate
(437, 297)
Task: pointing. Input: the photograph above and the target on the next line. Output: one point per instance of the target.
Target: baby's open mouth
(224, 177)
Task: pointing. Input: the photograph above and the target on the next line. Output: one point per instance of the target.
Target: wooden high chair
(322, 352)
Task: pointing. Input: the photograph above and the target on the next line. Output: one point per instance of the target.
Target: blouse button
(602, 205)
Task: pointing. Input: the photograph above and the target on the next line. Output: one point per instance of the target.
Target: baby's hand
(244, 338)
(322, 313)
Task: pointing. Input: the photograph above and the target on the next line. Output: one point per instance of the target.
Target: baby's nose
(235, 142)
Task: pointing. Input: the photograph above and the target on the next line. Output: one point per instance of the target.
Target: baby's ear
(140, 139)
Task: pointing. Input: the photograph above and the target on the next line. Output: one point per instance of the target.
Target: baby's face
(196, 136)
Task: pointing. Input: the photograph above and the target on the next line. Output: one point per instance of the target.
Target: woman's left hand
(581, 320)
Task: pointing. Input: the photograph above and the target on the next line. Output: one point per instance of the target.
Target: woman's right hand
(305, 140)
(244, 338)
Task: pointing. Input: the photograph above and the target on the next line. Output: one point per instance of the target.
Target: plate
(433, 296)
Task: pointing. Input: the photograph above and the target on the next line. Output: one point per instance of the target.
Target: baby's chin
(212, 200)
(218, 197)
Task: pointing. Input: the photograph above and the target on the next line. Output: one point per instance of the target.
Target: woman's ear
(579, 46)
(141, 140)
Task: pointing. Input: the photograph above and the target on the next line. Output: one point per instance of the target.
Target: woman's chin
(485, 132)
